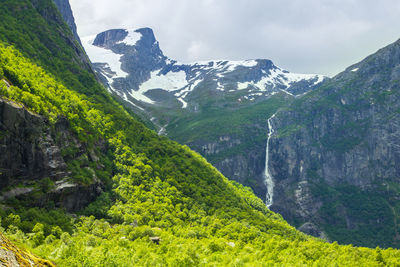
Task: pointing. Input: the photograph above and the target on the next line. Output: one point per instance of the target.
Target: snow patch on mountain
(184, 103)
(171, 81)
(222, 66)
(125, 97)
(103, 55)
(232, 65)
(132, 38)
(320, 79)
(279, 77)
(140, 96)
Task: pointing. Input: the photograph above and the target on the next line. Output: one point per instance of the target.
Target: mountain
(136, 69)
(162, 204)
(211, 106)
(334, 155)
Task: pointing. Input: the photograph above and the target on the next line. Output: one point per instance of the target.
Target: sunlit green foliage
(159, 189)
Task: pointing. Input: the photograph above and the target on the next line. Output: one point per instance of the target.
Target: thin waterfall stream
(269, 182)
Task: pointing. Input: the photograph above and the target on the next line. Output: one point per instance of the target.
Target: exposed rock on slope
(28, 151)
(11, 255)
(336, 157)
(51, 14)
(31, 158)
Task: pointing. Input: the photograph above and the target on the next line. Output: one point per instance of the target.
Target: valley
(97, 166)
(213, 107)
(247, 118)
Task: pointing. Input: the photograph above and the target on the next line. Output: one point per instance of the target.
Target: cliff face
(33, 161)
(28, 151)
(65, 9)
(237, 160)
(335, 157)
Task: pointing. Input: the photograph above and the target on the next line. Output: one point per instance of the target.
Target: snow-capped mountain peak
(133, 66)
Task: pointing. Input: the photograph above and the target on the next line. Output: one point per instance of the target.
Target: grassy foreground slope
(164, 191)
(157, 188)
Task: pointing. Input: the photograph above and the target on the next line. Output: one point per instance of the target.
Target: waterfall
(163, 130)
(269, 182)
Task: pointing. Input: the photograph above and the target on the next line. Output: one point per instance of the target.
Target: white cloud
(316, 36)
(195, 49)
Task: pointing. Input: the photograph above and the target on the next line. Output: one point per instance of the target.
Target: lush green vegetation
(230, 120)
(375, 221)
(158, 188)
(37, 30)
(17, 255)
(168, 191)
(214, 122)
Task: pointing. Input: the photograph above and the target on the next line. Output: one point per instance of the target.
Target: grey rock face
(72, 196)
(109, 38)
(312, 229)
(23, 153)
(246, 166)
(29, 153)
(344, 135)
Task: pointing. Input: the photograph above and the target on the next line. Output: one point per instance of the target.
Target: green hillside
(163, 204)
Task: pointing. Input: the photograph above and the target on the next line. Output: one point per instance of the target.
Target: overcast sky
(305, 36)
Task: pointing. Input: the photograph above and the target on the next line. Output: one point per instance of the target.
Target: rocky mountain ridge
(335, 158)
(134, 67)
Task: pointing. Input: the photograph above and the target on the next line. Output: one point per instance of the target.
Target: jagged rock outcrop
(336, 155)
(31, 156)
(28, 151)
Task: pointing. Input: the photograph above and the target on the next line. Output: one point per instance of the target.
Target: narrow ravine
(269, 182)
